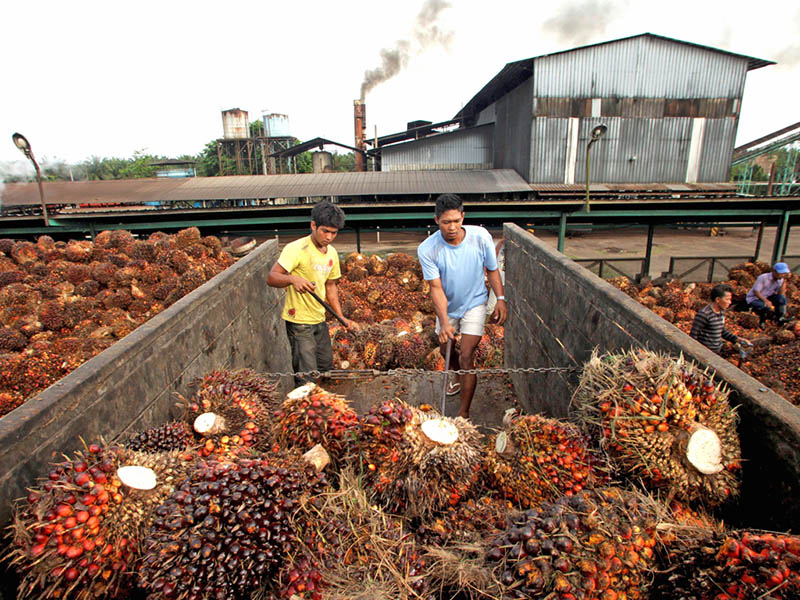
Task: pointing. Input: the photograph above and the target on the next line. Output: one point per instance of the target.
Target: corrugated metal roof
(138, 191)
(515, 73)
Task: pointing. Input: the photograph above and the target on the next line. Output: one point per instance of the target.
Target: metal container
(235, 124)
(276, 125)
(322, 162)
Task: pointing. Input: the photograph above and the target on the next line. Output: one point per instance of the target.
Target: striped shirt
(709, 328)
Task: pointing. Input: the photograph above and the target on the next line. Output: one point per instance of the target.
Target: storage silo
(235, 124)
(322, 162)
(276, 125)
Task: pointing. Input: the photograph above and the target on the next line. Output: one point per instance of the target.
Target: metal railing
(613, 267)
(715, 268)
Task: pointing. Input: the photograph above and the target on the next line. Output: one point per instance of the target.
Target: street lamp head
(598, 132)
(21, 142)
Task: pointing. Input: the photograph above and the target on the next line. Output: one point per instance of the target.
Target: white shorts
(472, 323)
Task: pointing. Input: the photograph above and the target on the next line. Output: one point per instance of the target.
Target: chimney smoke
(426, 33)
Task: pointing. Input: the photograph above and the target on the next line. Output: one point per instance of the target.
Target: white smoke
(425, 34)
(582, 22)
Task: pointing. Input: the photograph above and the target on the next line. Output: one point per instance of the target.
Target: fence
(714, 268)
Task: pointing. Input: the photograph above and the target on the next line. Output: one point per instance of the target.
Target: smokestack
(360, 119)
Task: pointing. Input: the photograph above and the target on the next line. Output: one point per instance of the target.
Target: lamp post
(597, 133)
(21, 142)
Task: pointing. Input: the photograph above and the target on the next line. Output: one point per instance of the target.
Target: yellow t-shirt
(301, 257)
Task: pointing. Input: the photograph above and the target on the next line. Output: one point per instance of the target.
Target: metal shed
(671, 108)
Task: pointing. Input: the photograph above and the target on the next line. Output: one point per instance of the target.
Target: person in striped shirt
(708, 327)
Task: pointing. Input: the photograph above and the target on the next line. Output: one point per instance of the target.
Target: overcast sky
(110, 78)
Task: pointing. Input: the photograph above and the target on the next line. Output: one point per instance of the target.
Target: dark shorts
(311, 348)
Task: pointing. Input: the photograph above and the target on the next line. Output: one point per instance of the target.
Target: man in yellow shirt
(311, 264)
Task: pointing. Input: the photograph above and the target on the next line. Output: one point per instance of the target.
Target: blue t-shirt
(459, 267)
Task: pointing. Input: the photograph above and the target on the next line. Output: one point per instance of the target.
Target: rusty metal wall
(512, 130)
(460, 150)
(235, 124)
(641, 67)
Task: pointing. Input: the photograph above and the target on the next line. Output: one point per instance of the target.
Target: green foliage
(344, 162)
(303, 163)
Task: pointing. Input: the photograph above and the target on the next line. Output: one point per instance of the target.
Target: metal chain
(370, 373)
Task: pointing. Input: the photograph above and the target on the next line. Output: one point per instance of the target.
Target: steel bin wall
(559, 312)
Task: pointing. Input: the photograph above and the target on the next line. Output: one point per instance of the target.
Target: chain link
(371, 373)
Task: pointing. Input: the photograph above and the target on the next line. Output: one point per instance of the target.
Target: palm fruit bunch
(355, 266)
(536, 459)
(595, 545)
(176, 435)
(729, 565)
(376, 265)
(489, 353)
(311, 416)
(352, 549)
(664, 421)
(78, 534)
(418, 463)
(231, 411)
(226, 527)
(471, 520)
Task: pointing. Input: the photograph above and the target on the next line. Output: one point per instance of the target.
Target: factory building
(671, 109)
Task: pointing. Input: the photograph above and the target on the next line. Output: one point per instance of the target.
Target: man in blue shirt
(453, 262)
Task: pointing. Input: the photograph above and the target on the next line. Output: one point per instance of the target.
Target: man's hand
(769, 305)
(302, 285)
(500, 313)
(446, 332)
(351, 324)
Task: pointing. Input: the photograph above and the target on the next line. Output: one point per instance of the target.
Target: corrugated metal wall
(715, 163)
(460, 150)
(512, 130)
(641, 67)
(548, 150)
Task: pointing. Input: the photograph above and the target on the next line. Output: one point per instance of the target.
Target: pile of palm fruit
(415, 506)
(776, 356)
(664, 421)
(391, 301)
(63, 302)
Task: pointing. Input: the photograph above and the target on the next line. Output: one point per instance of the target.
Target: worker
(453, 261)
(767, 297)
(311, 264)
(708, 327)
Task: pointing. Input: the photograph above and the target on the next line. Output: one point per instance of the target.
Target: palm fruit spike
(311, 416)
(536, 459)
(172, 436)
(418, 463)
(664, 421)
(78, 535)
(733, 565)
(595, 545)
(226, 527)
(231, 411)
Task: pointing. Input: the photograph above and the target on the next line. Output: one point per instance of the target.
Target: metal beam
(779, 248)
(562, 232)
(648, 253)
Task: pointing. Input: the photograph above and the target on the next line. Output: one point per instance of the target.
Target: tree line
(207, 164)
